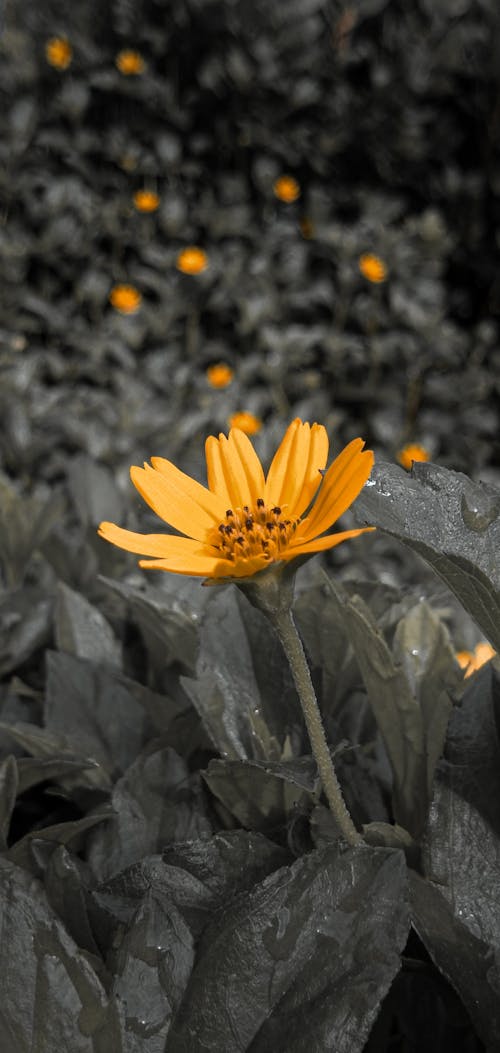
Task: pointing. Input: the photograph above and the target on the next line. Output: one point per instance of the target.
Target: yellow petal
(320, 544)
(288, 457)
(227, 477)
(316, 461)
(341, 486)
(194, 565)
(203, 497)
(242, 568)
(161, 545)
(294, 475)
(250, 466)
(171, 497)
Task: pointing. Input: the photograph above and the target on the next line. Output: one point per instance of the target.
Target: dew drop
(479, 507)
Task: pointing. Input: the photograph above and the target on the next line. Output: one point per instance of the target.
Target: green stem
(292, 646)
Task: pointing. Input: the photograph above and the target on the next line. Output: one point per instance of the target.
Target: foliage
(170, 876)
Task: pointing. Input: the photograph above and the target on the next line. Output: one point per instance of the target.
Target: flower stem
(292, 646)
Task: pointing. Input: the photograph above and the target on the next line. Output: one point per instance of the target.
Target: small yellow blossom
(286, 188)
(412, 452)
(146, 200)
(245, 521)
(58, 52)
(219, 375)
(372, 268)
(192, 260)
(472, 660)
(246, 422)
(130, 63)
(125, 298)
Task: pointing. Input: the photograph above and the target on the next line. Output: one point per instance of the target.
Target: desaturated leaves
(453, 523)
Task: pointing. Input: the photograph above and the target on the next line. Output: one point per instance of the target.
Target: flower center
(256, 531)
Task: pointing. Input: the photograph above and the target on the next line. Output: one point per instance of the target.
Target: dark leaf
(51, 996)
(196, 876)
(99, 712)
(9, 788)
(452, 522)
(457, 909)
(56, 749)
(152, 970)
(156, 802)
(303, 961)
(225, 691)
(262, 796)
(408, 692)
(66, 881)
(24, 523)
(166, 619)
(472, 752)
(94, 491)
(34, 770)
(81, 629)
(25, 626)
(34, 851)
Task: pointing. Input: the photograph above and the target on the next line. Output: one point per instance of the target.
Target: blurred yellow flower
(125, 298)
(146, 200)
(372, 268)
(286, 188)
(246, 422)
(245, 521)
(472, 660)
(192, 260)
(219, 375)
(130, 63)
(412, 452)
(58, 52)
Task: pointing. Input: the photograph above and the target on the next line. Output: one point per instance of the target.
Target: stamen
(252, 531)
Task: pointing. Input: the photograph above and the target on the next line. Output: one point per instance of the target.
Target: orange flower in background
(372, 268)
(146, 200)
(125, 298)
(245, 521)
(245, 421)
(412, 452)
(286, 188)
(58, 52)
(130, 63)
(219, 375)
(472, 660)
(192, 260)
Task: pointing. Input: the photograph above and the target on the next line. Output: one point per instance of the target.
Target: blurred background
(213, 208)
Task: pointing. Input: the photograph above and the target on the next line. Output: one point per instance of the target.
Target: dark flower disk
(215, 215)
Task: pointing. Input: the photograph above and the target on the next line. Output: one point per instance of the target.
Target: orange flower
(246, 422)
(146, 200)
(125, 298)
(219, 375)
(58, 52)
(245, 522)
(130, 63)
(192, 260)
(472, 660)
(412, 452)
(286, 188)
(372, 268)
